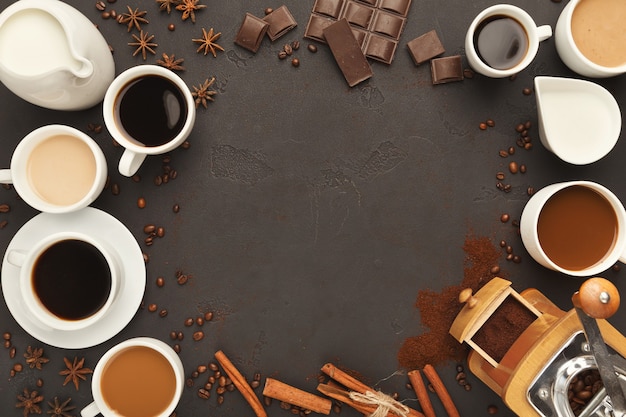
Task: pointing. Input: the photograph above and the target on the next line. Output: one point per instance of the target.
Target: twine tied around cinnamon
(384, 402)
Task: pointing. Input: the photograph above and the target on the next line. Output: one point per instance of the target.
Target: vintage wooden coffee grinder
(535, 373)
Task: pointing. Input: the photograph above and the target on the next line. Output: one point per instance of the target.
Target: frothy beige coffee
(61, 169)
(599, 31)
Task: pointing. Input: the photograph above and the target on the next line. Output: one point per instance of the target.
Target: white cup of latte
(590, 37)
(148, 110)
(135, 378)
(68, 280)
(57, 169)
(576, 227)
(503, 40)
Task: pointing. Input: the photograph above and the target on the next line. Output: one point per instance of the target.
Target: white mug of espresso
(68, 280)
(576, 227)
(503, 40)
(148, 110)
(590, 37)
(138, 377)
(57, 169)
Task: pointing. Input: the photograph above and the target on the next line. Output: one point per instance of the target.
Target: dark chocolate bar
(425, 47)
(347, 52)
(280, 22)
(446, 69)
(251, 32)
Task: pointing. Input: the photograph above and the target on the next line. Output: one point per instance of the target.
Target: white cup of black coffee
(149, 110)
(503, 40)
(136, 378)
(576, 227)
(68, 280)
(57, 169)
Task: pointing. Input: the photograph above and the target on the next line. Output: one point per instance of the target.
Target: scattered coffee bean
(163, 313)
(199, 321)
(6, 336)
(175, 208)
(522, 169)
(197, 336)
(202, 369)
(7, 344)
(254, 384)
(530, 191)
(494, 270)
(171, 27)
(160, 232)
(468, 73)
(295, 62)
(3, 224)
(152, 308)
(500, 176)
(115, 189)
(160, 282)
(288, 49)
(141, 202)
(136, 178)
(616, 268)
(504, 218)
(105, 15)
(282, 55)
(511, 150)
(195, 374)
(220, 399)
(527, 91)
(311, 48)
(182, 279)
(295, 45)
(173, 335)
(149, 228)
(267, 401)
(177, 348)
(188, 322)
(18, 367)
(180, 336)
(490, 123)
(213, 366)
(513, 167)
(482, 126)
(100, 5)
(208, 316)
(492, 409)
(503, 153)
(12, 352)
(204, 394)
(519, 128)
(268, 10)
(39, 382)
(146, 258)
(509, 249)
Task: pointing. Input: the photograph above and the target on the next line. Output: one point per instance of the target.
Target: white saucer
(99, 224)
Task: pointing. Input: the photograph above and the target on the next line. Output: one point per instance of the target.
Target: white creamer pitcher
(53, 56)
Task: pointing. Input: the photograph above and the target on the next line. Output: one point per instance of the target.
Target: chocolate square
(347, 52)
(425, 47)
(251, 32)
(315, 28)
(358, 14)
(381, 48)
(330, 8)
(397, 6)
(280, 22)
(361, 37)
(446, 69)
(388, 24)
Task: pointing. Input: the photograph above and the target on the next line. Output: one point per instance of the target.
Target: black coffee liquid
(152, 110)
(501, 42)
(72, 279)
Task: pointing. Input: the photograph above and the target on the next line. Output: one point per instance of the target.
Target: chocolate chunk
(280, 22)
(397, 6)
(381, 48)
(330, 8)
(388, 24)
(251, 32)
(347, 52)
(315, 27)
(361, 37)
(358, 14)
(446, 69)
(425, 47)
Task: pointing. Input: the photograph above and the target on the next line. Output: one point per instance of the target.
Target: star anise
(208, 42)
(202, 93)
(60, 409)
(28, 401)
(189, 7)
(75, 371)
(143, 44)
(167, 5)
(34, 357)
(134, 18)
(171, 63)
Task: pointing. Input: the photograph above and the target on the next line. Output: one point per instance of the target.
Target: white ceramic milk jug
(53, 56)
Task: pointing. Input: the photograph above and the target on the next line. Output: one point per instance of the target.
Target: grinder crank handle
(597, 297)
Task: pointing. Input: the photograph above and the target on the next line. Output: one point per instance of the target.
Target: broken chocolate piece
(446, 69)
(347, 52)
(280, 22)
(251, 32)
(425, 47)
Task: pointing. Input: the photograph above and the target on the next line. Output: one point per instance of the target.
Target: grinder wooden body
(529, 354)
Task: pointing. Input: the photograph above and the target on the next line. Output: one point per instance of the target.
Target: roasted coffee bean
(460, 375)
(173, 174)
(105, 15)
(188, 322)
(3, 224)
(212, 379)
(136, 178)
(160, 231)
(152, 308)
(199, 321)
(12, 352)
(288, 49)
(173, 335)
(204, 394)
(503, 154)
(171, 27)
(509, 249)
(517, 259)
(220, 399)
(163, 313)
(195, 374)
(513, 167)
(182, 279)
(6, 336)
(511, 150)
(527, 91)
(148, 241)
(158, 180)
(282, 55)
(499, 186)
(201, 369)
(509, 257)
(220, 390)
(507, 188)
(141, 202)
(467, 387)
(100, 5)
(18, 367)
(160, 282)
(527, 125)
(490, 123)
(189, 382)
(12, 373)
(284, 405)
(255, 384)
(197, 336)
(482, 126)
(256, 377)
(468, 73)
(221, 381)
(311, 48)
(208, 316)
(175, 208)
(149, 228)
(180, 336)
(146, 257)
(295, 45)
(500, 176)
(503, 243)
(115, 189)
(616, 268)
(177, 348)
(7, 344)
(504, 218)
(522, 169)
(492, 409)
(494, 270)
(267, 401)
(336, 408)
(213, 366)
(528, 146)
(530, 191)
(208, 386)
(295, 62)
(519, 128)
(39, 382)
(268, 10)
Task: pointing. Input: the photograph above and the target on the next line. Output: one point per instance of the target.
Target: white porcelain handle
(91, 410)
(5, 176)
(130, 162)
(16, 257)
(544, 32)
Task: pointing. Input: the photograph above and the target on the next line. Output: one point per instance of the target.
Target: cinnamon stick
(282, 392)
(422, 394)
(441, 391)
(240, 382)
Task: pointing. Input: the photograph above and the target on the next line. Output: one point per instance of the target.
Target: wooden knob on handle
(597, 297)
(465, 296)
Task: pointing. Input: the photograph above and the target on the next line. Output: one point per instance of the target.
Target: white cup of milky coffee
(57, 169)
(577, 228)
(590, 37)
(68, 280)
(148, 110)
(138, 377)
(503, 40)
